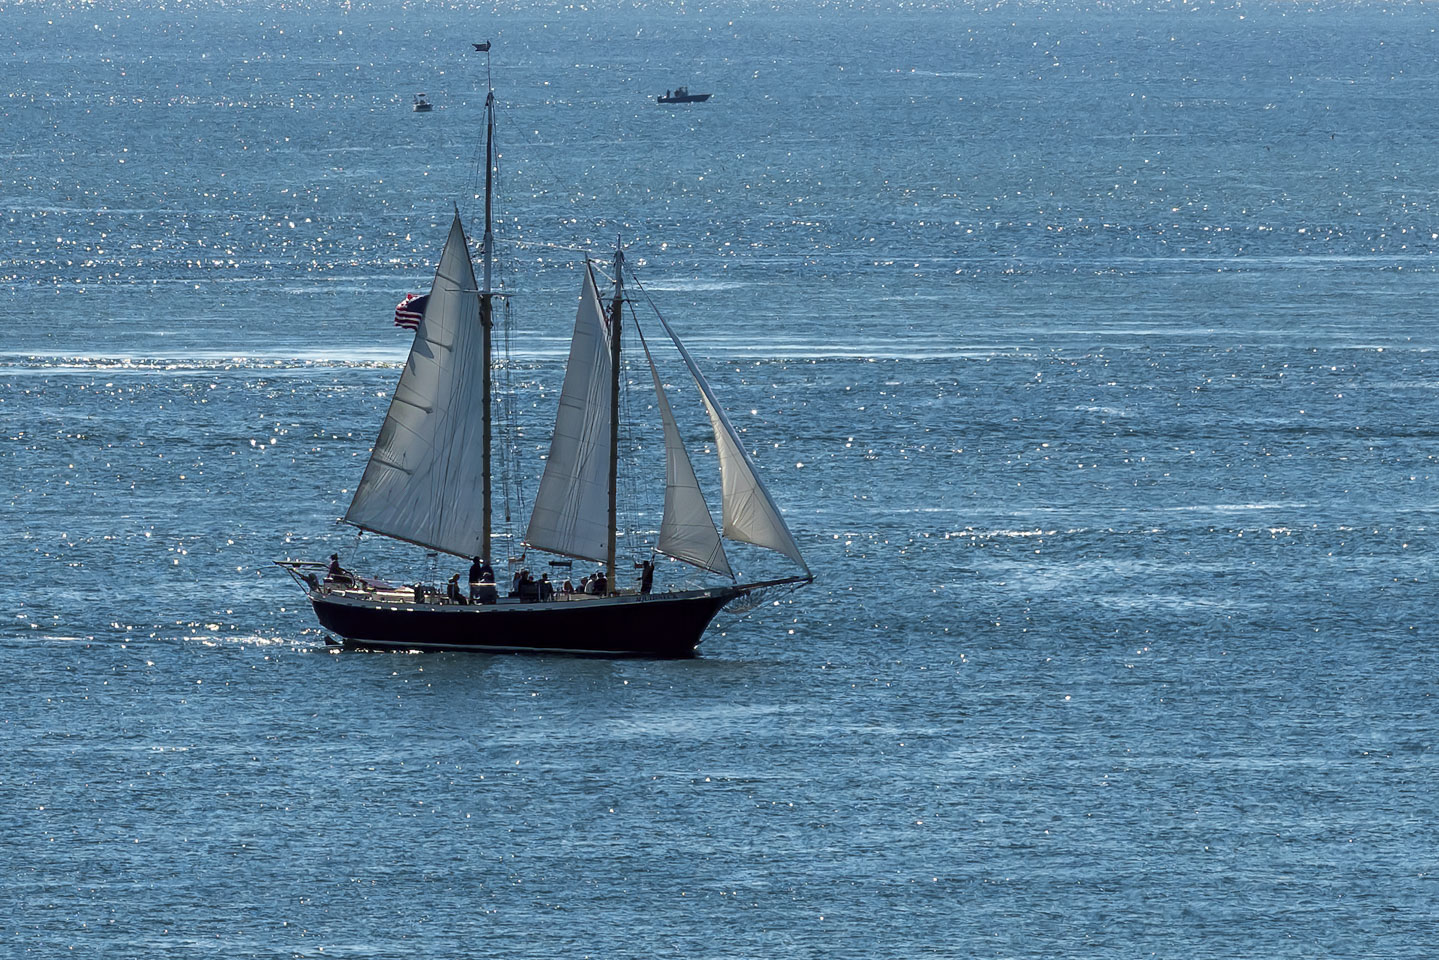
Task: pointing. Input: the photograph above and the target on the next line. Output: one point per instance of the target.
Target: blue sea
(1088, 348)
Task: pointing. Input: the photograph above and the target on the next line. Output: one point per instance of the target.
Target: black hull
(662, 625)
(689, 98)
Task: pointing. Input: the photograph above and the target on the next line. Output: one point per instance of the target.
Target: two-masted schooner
(429, 483)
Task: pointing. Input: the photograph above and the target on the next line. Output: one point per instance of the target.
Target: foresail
(687, 531)
(750, 514)
(571, 510)
(425, 469)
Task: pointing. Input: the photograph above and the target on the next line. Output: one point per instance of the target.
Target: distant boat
(429, 480)
(682, 95)
(423, 104)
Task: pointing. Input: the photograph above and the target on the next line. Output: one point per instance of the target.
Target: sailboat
(429, 483)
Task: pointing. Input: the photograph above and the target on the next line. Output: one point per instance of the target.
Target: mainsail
(750, 515)
(687, 531)
(571, 510)
(419, 483)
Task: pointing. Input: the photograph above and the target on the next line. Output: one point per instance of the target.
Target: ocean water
(1088, 348)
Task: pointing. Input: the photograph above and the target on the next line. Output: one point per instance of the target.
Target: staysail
(571, 510)
(427, 460)
(687, 531)
(750, 514)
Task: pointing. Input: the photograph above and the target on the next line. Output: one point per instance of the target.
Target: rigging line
(509, 457)
(516, 464)
(551, 245)
(628, 480)
(509, 461)
(540, 157)
(505, 380)
(477, 166)
(634, 540)
(511, 480)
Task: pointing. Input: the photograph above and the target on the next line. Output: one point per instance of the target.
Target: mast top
(484, 47)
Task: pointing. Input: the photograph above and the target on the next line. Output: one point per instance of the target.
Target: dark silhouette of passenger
(337, 573)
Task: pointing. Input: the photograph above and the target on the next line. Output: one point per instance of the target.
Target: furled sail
(687, 531)
(750, 514)
(571, 511)
(425, 467)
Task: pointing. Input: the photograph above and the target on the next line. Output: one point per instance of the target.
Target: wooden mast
(487, 322)
(616, 310)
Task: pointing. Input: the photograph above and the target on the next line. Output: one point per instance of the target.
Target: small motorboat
(682, 95)
(423, 104)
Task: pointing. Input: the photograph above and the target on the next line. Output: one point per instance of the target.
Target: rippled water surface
(1089, 351)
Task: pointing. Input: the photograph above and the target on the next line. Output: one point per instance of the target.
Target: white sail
(750, 514)
(571, 511)
(687, 531)
(424, 474)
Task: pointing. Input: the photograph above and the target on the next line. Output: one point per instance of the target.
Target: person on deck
(525, 586)
(647, 577)
(601, 582)
(547, 589)
(482, 583)
(453, 590)
(480, 573)
(337, 573)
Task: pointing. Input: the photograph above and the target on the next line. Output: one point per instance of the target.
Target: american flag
(410, 311)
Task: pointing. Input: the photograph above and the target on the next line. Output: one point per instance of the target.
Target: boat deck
(406, 596)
